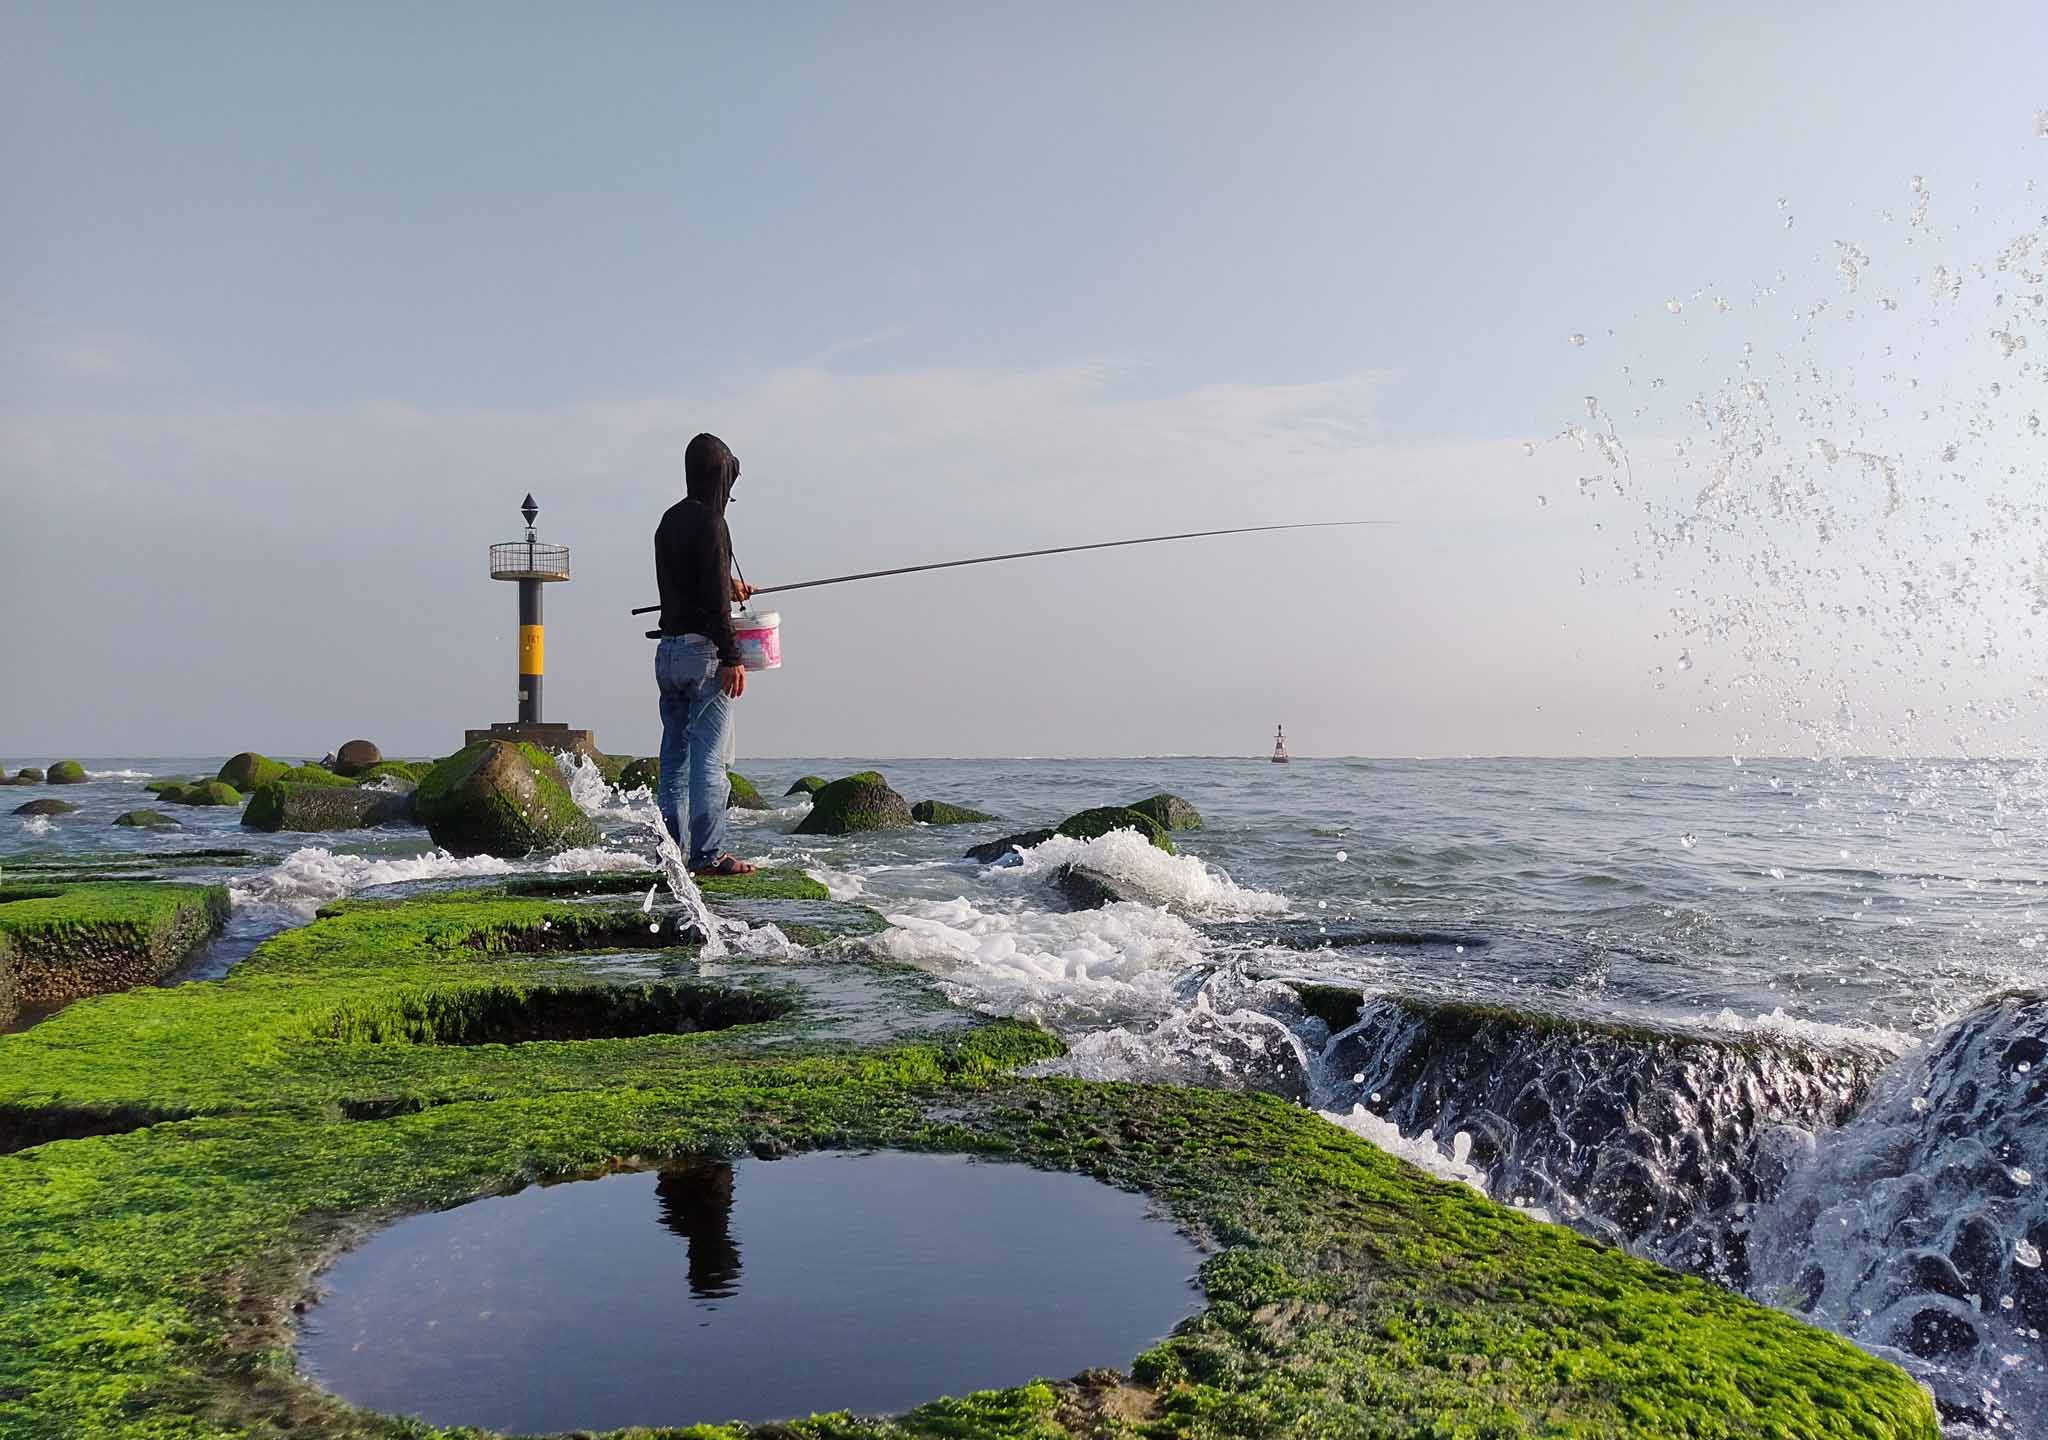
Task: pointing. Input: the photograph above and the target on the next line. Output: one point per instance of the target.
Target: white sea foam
(1029, 962)
(1816, 1032)
(601, 801)
(839, 884)
(36, 825)
(1142, 871)
(313, 875)
(117, 774)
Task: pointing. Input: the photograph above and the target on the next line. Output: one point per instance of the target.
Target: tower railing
(525, 560)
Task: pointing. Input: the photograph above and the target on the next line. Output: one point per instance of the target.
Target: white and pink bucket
(760, 639)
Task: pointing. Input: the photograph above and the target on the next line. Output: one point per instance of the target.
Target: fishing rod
(1055, 550)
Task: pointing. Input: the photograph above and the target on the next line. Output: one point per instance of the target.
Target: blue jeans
(696, 741)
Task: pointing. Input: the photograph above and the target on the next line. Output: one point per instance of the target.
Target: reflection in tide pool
(760, 1290)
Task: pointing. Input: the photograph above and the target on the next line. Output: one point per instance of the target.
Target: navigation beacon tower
(532, 565)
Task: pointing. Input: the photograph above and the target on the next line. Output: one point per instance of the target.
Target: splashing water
(595, 797)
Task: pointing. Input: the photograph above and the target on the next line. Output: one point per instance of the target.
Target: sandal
(725, 865)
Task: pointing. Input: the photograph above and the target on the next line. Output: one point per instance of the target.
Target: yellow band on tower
(529, 650)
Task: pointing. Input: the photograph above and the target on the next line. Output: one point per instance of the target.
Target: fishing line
(1055, 550)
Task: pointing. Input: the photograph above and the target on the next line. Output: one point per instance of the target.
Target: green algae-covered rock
(311, 775)
(204, 792)
(1170, 811)
(495, 798)
(938, 812)
(354, 757)
(249, 771)
(29, 775)
(64, 941)
(283, 805)
(66, 772)
(745, 794)
(641, 774)
(167, 782)
(147, 820)
(809, 785)
(46, 807)
(409, 772)
(1090, 824)
(857, 802)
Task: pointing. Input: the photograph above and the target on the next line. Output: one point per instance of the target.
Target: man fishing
(698, 663)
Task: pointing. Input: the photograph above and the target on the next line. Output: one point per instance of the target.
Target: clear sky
(296, 303)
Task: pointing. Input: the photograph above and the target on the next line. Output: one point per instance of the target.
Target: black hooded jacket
(693, 550)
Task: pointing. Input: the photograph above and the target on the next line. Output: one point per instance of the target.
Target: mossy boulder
(168, 782)
(46, 807)
(497, 798)
(1092, 824)
(311, 775)
(856, 802)
(990, 852)
(746, 795)
(938, 812)
(1170, 811)
(354, 757)
(66, 772)
(809, 785)
(204, 792)
(29, 775)
(641, 774)
(249, 771)
(282, 805)
(147, 820)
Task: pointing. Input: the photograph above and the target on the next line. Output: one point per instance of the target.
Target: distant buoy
(1280, 745)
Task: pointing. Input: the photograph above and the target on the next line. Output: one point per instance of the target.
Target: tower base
(555, 739)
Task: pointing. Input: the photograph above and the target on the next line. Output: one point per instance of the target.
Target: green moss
(641, 774)
(1169, 811)
(1092, 823)
(494, 798)
(249, 772)
(66, 772)
(746, 795)
(857, 802)
(204, 792)
(410, 771)
(58, 942)
(311, 775)
(808, 785)
(148, 1275)
(938, 812)
(159, 786)
(769, 884)
(147, 820)
(29, 775)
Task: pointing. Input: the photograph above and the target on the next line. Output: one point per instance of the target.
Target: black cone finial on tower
(530, 510)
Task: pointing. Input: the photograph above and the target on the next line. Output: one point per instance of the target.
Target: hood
(709, 469)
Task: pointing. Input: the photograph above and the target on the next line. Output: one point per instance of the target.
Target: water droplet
(1528, 447)
(1921, 1105)
(1342, 856)
(1674, 306)
(1359, 1079)
(1593, 405)
(1918, 184)
(1577, 338)
(1685, 659)
(2021, 1175)
(1688, 840)
(2025, 1253)
(1543, 501)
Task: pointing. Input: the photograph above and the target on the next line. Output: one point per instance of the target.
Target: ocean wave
(1419, 1151)
(1142, 871)
(36, 825)
(117, 774)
